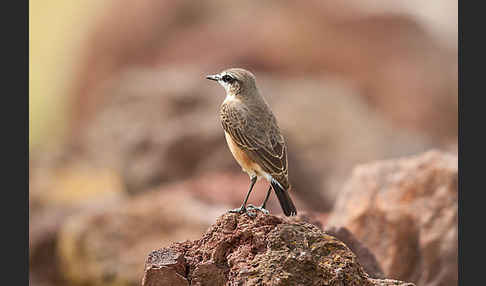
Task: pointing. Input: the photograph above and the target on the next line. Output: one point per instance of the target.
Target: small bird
(253, 137)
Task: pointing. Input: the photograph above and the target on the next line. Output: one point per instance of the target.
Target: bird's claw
(260, 208)
(242, 210)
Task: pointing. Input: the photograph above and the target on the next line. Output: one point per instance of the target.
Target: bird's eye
(227, 78)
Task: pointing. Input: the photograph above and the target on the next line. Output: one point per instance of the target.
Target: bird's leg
(266, 198)
(262, 207)
(242, 209)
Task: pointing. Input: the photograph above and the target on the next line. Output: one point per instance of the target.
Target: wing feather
(259, 139)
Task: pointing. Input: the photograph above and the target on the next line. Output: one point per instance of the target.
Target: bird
(254, 138)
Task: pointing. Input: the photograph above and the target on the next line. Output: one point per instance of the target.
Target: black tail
(284, 199)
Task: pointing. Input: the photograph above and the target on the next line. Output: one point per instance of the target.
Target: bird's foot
(260, 208)
(239, 210)
(242, 210)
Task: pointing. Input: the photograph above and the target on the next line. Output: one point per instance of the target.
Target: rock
(365, 257)
(405, 210)
(166, 268)
(105, 247)
(265, 250)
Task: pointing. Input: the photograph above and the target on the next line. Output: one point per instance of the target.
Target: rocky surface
(65, 198)
(365, 257)
(266, 250)
(405, 210)
(397, 217)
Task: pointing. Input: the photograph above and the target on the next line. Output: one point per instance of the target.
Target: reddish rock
(365, 257)
(265, 250)
(167, 267)
(405, 210)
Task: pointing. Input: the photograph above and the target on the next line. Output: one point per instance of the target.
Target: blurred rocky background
(127, 153)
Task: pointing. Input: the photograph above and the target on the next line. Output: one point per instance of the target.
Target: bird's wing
(259, 137)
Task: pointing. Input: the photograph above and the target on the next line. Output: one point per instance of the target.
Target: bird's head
(235, 81)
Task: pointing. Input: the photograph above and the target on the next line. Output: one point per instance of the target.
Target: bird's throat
(230, 97)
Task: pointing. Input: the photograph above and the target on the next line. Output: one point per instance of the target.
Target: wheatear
(253, 137)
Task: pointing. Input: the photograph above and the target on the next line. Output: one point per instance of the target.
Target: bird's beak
(215, 77)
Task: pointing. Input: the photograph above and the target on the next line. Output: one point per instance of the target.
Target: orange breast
(247, 164)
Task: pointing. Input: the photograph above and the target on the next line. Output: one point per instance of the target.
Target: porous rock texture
(264, 250)
(365, 257)
(405, 210)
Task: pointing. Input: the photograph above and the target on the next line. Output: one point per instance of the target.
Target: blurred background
(126, 150)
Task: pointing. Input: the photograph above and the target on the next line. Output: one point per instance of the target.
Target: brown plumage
(252, 133)
(256, 134)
